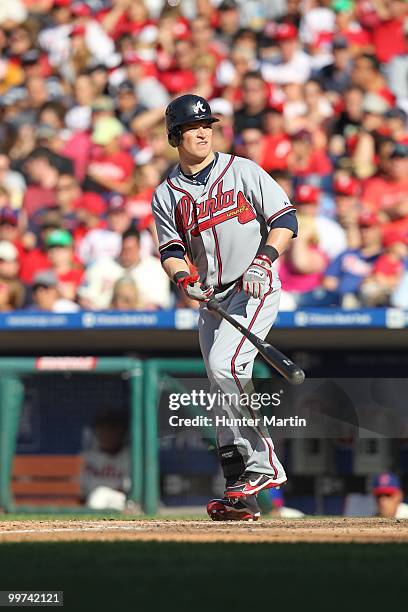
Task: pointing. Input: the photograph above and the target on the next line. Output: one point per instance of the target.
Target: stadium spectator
(366, 74)
(45, 294)
(11, 294)
(397, 72)
(277, 141)
(344, 275)
(254, 146)
(152, 283)
(335, 77)
(331, 236)
(110, 167)
(9, 229)
(68, 271)
(23, 142)
(9, 263)
(293, 64)
(228, 24)
(12, 181)
(68, 192)
(43, 175)
(308, 160)
(88, 214)
(387, 272)
(301, 268)
(269, 151)
(127, 105)
(125, 295)
(388, 34)
(138, 203)
(254, 103)
(396, 125)
(386, 193)
(389, 496)
(348, 26)
(202, 37)
(179, 77)
(345, 126)
(150, 92)
(101, 242)
(317, 107)
(35, 256)
(78, 117)
(348, 207)
(370, 135)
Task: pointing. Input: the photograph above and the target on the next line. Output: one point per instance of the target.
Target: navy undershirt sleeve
(172, 251)
(287, 220)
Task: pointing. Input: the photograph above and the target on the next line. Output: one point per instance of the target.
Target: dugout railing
(12, 372)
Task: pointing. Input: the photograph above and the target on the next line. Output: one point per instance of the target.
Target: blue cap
(276, 497)
(386, 484)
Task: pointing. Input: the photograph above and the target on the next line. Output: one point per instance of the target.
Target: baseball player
(232, 221)
(388, 494)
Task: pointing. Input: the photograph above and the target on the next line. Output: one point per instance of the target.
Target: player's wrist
(178, 277)
(268, 252)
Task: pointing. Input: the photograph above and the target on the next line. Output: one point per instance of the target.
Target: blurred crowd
(315, 91)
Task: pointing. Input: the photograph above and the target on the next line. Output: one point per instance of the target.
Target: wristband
(179, 275)
(269, 251)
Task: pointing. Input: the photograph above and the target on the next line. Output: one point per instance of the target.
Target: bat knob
(297, 377)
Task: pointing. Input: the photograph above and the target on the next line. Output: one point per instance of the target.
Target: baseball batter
(232, 221)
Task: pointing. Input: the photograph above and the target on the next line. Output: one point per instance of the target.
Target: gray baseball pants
(229, 360)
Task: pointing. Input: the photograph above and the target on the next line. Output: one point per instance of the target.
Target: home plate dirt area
(336, 530)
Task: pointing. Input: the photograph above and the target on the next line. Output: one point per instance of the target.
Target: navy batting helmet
(186, 109)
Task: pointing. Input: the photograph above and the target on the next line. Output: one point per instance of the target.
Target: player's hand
(257, 280)
(193, 288)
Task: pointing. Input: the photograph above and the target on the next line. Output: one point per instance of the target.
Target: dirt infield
(364, 530)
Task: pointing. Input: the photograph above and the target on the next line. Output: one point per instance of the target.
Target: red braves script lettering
(207, 213)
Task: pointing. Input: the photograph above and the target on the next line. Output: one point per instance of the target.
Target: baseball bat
(289, 370)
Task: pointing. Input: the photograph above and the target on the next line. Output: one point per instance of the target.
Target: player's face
(387, 504)
(197, 140)
(110, 437)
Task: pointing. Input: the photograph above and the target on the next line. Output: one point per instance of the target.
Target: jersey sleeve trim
(164, 246)
(278, 214)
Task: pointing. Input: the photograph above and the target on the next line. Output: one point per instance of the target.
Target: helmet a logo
(198, 107)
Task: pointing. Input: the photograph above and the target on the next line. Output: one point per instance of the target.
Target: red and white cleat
(234, 510)
(251, 483)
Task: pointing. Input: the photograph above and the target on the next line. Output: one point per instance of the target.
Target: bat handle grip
(213, 304)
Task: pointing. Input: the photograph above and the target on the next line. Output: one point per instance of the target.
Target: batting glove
(257, 279)
(192, 287)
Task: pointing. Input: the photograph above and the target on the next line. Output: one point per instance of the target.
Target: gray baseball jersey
(221, 224)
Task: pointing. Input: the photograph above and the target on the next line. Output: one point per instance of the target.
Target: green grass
(139, 576)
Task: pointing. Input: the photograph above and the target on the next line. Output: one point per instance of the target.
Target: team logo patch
(197, 108)
(200, 216)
